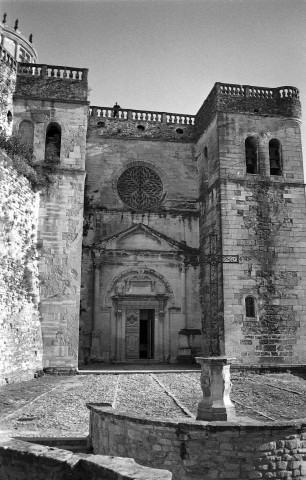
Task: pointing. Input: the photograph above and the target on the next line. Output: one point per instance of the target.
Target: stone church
(164, 235)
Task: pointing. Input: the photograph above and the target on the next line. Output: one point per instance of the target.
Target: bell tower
(253, 221)
(51, 108)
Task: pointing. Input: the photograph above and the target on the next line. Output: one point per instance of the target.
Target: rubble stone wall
(141, 129)
(8, 69)
(20, 322)
(201, 450)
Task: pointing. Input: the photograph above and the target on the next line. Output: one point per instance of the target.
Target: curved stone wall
(202, 450)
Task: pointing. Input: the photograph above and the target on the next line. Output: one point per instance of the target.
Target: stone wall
(252, 227)
(165, 242)
(141, 125)
(8, 67)
(264, 222)
(211, 278)
(201, 450)
(20, 322)
(51, 82)
(21, 461)
(60, 225)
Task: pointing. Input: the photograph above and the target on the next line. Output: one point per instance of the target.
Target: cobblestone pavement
(56, 405)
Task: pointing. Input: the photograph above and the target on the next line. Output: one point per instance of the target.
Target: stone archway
(139, 323)
(139, 281)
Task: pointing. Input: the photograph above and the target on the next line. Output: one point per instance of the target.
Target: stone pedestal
(216, 386)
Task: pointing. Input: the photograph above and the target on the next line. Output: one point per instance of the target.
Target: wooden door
(132, 333)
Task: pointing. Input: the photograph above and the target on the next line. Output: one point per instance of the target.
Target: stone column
(106, 332)
(263, 157)
(184, 350)
(216, 386)
(183, 293)
(119, 321)
(159, 329)
(95, 349)
(174, 320)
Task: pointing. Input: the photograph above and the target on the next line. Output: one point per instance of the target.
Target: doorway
(146, 333)
(139, 333)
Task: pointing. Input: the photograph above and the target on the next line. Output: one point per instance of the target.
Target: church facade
(165, 235)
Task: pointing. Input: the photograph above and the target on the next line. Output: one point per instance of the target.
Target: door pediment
(141, 237)
(142, 241)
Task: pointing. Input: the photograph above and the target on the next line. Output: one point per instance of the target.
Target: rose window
(139, 187)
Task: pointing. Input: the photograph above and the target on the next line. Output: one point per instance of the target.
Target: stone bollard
(216, 386)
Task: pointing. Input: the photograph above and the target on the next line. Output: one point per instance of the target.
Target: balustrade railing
(232, 90)
(52, 71)
(286, 92)
(141, 115)
(6, 57)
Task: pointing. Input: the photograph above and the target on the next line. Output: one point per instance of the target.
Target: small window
(275, 157)
(250, 307)
(9, 117)
(21, 54)
(53, 142)
(26, 132)
(251, 155)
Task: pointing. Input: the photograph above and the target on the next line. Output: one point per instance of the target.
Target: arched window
(275, 157)
(53, 141)
(250, 310)
(251, 155)
(26, 132)
(9, 117)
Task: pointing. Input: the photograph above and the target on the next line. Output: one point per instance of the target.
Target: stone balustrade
(285, 92)
(52, 71)
(256, 92)
(248, 99)
(6, 57)
(141, 115)
(51, 82)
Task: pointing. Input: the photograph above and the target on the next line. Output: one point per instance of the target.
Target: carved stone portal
(216, 386)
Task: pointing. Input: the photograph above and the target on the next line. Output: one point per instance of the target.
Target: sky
(166, 55)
